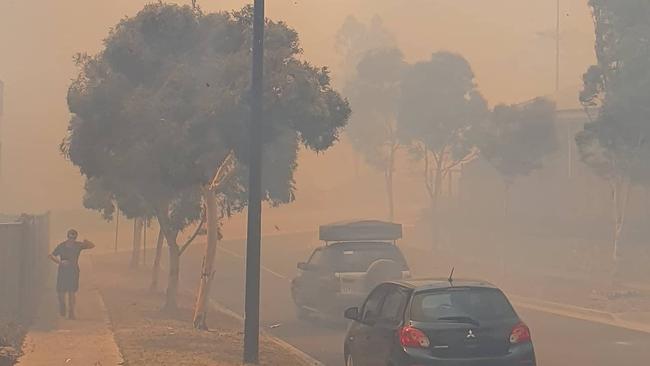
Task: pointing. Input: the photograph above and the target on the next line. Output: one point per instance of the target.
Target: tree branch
(468, 158)
(427, 177)
(219, 178)
(196, 233)
(222, 174)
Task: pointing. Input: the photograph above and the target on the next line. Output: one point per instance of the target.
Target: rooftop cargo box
(360, 230)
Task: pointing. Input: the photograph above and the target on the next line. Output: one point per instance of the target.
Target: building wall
(24, 245)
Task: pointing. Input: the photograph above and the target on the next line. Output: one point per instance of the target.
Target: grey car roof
(360, 244)
(424, 284)
(360, 230)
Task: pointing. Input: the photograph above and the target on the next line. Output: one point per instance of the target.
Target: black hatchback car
(437, 323)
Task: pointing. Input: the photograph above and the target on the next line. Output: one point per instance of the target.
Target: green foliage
(374, 93)
(161, 106)
(517, 138)
(614, 144)
(99, 198)
(354, 39)
(104, 197)
(440, 105)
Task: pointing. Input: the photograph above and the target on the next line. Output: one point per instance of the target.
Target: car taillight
(520, 334)
(413, 337)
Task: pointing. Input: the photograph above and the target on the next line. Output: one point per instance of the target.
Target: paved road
(559, 341)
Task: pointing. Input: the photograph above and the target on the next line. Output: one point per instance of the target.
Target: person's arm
(54, 259)
(87, 244)
(55, 256)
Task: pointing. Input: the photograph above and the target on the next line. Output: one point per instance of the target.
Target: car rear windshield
(462, 305)
(359, 257)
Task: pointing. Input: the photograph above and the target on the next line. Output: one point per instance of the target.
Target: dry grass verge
(146, 336)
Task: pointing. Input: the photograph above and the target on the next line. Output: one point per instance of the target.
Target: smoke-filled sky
(509, 43)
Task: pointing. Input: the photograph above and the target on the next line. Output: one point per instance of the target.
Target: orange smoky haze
(510, 44)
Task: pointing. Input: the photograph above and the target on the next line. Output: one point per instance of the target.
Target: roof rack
(360, 230)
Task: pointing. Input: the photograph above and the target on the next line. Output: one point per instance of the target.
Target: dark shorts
(67, 279)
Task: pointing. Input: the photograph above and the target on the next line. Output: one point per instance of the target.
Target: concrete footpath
(87, 341)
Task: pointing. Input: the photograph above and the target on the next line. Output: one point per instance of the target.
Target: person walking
(66, 256)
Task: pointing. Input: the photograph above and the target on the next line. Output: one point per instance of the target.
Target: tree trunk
(171, 298)
(435, 207)
(389, 175)
(391, 197)
(145, 226)
(137, 242)
(207, 272)
(171, 236)
(505, 228)
(615, 232)
(429, 183)
(506, 201)
(620, 199)
(388, 178)
(117, 227)
(156, 263)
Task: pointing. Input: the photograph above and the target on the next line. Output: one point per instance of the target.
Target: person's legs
(71, 303)
(62, 309)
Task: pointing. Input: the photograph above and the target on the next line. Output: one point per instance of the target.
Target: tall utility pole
(557, 49)
(2, 91)
(254, 235)
(569, 132)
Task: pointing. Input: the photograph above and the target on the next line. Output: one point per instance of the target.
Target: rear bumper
(523, 355)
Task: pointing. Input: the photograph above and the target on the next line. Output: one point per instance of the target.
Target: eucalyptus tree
(163, 105)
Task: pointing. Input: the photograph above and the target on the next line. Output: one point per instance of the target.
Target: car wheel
(349, 361)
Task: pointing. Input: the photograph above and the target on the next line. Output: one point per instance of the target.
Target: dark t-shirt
(69, 252)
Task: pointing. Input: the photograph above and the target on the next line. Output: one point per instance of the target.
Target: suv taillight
(413, 338)
(520, 334)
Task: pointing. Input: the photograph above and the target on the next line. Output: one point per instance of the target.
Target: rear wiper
(460, 319)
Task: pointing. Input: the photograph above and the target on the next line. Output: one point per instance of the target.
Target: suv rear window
(469, 304)
(358, 257)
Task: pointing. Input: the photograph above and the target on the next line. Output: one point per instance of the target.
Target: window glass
(316, 258)
(359, 257)
(393, 307)
(373, 304)
(477, 304)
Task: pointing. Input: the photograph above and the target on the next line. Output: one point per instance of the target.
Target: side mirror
(352, 313)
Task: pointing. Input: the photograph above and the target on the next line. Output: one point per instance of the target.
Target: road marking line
(530, 304)
(237, 255)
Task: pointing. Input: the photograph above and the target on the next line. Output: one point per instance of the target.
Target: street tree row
(435, 111)
(161, 115)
